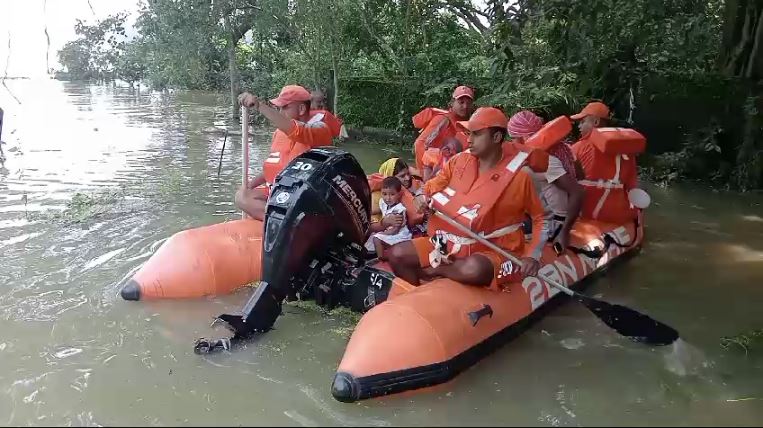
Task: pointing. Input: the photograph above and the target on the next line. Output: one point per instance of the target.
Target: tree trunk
(336, 89)
(749, 162)
(742, 40)
(334, 77)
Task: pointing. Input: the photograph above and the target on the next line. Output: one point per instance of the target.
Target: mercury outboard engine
(316, 222)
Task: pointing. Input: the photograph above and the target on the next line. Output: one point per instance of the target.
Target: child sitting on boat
(390, 203)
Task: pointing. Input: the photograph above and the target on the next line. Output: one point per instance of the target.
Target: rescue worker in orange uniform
(297, 131)
(437, 125)
(607, 157)
(486, 190)
(593, 115)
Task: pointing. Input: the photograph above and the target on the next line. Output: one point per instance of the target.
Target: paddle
(626, 321)
(245, 149)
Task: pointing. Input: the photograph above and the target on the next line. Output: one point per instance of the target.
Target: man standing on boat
(297, 131)
(437, 125)
(486, 190)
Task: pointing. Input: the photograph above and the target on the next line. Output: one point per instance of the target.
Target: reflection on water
(74, 353)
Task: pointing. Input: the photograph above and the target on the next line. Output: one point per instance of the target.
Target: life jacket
(610, 172)
(550, 139)
(469, 199)
(434, 159)
(283, 150)
(414, 217)
(333, 122)
(422, 119)
(537, 160)
(551, 134)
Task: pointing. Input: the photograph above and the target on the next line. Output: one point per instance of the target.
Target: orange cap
(593, 109)
(485, 117)
(291, 94)
(463, 91)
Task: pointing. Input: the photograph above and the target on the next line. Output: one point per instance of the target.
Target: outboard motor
(316, 222)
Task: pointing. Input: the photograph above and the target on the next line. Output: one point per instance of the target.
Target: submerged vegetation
(84, 207)
(344, 317)
(746, 341)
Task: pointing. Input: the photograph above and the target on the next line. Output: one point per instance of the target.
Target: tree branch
(47, 36)
(468, 13)
(379, 41)
(7, 63)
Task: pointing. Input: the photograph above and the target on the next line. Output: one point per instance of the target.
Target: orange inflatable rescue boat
(316, 222)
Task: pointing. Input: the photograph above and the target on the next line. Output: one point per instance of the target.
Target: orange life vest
(414, 217)
(537, 160)
(550, 134)
(434, 159)
(283, 150)
(468, 201)
(333, 122)
(422, 119)
(609, 162)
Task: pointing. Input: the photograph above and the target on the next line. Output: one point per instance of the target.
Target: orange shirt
(288, 145)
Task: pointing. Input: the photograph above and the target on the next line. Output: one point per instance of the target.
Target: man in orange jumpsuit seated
(297, 131)
(486, 190)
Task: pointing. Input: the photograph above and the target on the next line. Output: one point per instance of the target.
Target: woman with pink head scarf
(558, 187)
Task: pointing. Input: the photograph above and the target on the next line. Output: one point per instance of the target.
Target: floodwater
(72, 352)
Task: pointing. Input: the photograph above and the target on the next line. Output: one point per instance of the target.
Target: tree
(741, 58)
(130, 65)
(94, 54)
(742, 49)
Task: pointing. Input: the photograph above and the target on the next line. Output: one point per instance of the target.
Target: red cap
(463, 91)
(485, 117)
(593, 109)
(291, 94)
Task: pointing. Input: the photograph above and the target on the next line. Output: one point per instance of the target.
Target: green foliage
(97, 49)
(130, 67)
(698, 156)
(182, 44)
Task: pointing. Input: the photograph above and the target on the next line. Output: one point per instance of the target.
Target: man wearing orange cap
(609, 167)
(486, 190)
(593, 115)
(297, 131)
(437, 125)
